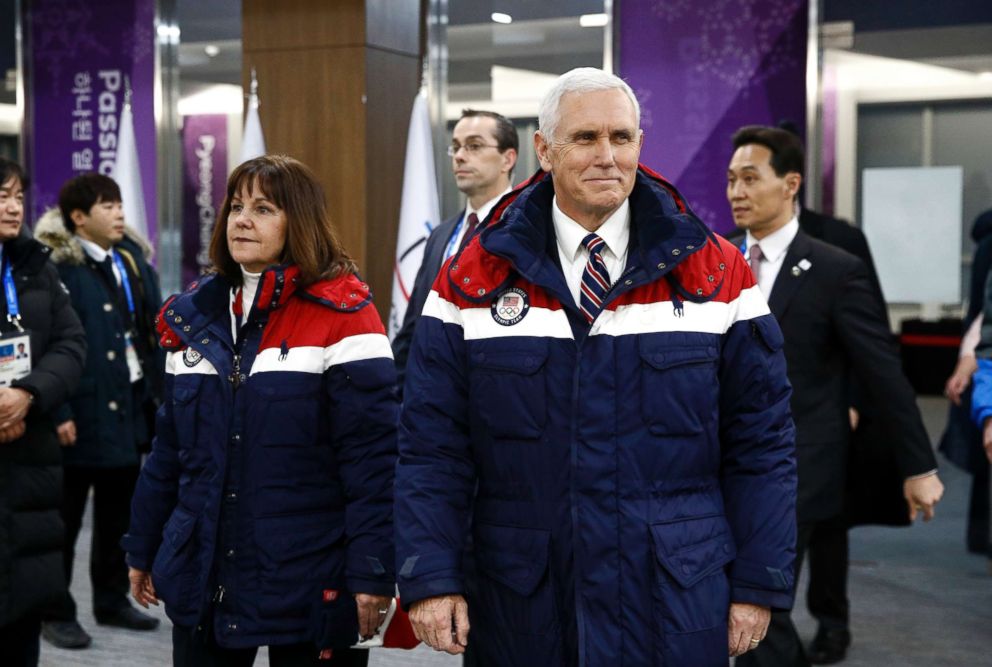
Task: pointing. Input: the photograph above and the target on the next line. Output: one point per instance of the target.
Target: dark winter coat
(31, 571)
(271, 476)
(623, 482)
(110, 413)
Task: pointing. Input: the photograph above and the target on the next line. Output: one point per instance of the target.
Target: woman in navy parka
(263, 515)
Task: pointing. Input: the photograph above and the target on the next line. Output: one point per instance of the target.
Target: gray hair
(579, 80)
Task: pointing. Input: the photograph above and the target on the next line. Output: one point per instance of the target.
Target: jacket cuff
(777, 601)
(415, 591)
(371, 586)
(139, 552)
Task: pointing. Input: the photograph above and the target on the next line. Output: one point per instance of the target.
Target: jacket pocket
(185, 392)
(691, 590)
(679, 387)
(174, 570)
(295, 553)
(514, 586)
(508, 393)
(289, 413)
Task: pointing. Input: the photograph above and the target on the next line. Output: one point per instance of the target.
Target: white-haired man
(597, 392)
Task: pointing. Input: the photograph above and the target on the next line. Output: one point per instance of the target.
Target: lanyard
(453, 241)
(10, 291)
(744, 247)
(125, 283)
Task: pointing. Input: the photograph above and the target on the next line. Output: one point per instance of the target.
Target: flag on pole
(127, 170)
(419, 210)
(252, 142)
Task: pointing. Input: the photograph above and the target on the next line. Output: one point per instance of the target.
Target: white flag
(419, 210)
(127, 173)
(252, 142)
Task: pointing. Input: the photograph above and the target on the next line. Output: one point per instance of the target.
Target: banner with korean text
(701, 70)
(80, 56)
(204, 183)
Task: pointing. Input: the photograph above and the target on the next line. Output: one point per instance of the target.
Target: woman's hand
(142, 588)
(960, 378)
(372, 611)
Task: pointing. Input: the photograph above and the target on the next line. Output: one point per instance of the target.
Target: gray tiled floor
(918, 600)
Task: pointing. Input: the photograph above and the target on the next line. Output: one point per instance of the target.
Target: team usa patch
(510, 306)
(191, 357)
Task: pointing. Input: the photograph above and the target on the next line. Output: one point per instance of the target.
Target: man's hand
(14, 404)
(441, 622)
(960, 378)
(854, 417)
(987, 438)
(12, 432)
(66, 431)
(371, 612)
(923, 494)
(142, 588)
(747, 626)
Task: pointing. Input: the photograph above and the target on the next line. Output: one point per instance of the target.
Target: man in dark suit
(834, 324)
(483, 152)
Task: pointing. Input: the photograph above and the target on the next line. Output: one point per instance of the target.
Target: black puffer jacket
(31, 572)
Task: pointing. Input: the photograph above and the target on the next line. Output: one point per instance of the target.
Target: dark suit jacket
(834, 324)
(429, 268)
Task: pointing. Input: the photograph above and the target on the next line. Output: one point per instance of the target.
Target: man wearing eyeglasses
(483, 153)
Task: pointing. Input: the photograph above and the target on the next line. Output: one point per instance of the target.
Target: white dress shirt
(98, 254)
(773, 250)
(615, 233)
(482, 212)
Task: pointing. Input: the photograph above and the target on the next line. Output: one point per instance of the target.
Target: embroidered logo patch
(510, 307)
(191, 357)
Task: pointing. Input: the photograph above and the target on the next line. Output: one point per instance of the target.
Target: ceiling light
(593, 20)
(211, 50)
(985, 76)
(500, 17)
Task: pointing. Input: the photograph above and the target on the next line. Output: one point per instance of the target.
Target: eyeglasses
(471, 148)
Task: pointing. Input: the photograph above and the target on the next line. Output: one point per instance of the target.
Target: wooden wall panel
(301, 24)
(337, 80)
(393, 80)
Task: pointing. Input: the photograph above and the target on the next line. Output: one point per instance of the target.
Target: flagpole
(252, 141)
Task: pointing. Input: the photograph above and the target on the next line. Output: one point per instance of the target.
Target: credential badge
(191, 357)
(510, 306)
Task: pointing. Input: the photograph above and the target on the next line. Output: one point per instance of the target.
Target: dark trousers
(112, 491)
(19, 642)
(978, 512)
(191, 648)
(782, 647)
(826, 595)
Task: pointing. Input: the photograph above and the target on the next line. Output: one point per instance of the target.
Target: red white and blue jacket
(623, 482)
(267, 497)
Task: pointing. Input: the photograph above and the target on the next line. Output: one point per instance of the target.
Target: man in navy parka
(597, 395)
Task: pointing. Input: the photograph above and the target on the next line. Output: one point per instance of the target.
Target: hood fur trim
(66, 249)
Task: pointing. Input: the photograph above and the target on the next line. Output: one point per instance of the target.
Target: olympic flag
(419, 210)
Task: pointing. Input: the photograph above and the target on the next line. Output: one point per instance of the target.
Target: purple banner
(701, 70)
(204, 185)
(79, 53)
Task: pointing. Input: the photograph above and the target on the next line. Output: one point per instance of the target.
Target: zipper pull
(219, 595)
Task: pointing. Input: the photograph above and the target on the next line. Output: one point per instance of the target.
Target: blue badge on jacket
(510, 306)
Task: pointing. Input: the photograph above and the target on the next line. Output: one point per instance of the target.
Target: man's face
(11, 209)
(483, 169)
(104, 224)
(593, 155)
(760, 199)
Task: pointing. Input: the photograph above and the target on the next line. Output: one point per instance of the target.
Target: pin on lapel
(804, 265)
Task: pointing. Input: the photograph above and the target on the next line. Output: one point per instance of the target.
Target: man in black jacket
(483, 153)
(105, 424)
(31, 575)
(834, 324)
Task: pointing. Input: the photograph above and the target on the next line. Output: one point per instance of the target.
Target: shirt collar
(775, 245)
(615, 232)
(484, 210)
(97, 253)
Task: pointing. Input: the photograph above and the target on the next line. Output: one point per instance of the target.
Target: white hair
(579, 80)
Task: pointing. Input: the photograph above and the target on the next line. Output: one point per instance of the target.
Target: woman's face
(11, 209)
(256, 230)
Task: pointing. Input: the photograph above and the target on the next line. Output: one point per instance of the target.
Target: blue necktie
(595, 279)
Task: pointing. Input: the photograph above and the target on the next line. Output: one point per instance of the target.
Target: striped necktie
(595, 279)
